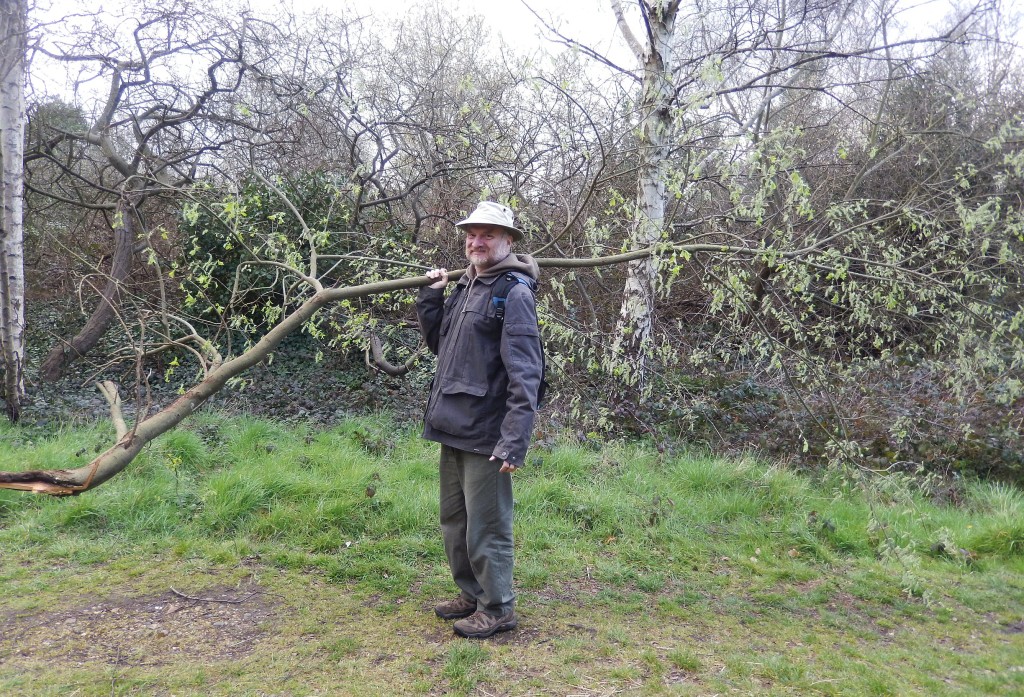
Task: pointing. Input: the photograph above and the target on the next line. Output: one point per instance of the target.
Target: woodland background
(787, 227)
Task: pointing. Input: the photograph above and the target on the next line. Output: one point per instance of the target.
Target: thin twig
(210, 600)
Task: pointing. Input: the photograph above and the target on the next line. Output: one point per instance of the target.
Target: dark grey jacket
(484, 395)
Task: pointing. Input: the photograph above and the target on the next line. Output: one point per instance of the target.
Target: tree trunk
(64, 353)
(13, 23)
(636, 314)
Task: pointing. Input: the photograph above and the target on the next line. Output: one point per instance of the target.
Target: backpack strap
(499, 294)
(501, 288)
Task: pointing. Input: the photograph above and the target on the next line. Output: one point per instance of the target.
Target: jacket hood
(521, 263)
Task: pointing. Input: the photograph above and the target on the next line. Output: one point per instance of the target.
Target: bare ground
(220, 623)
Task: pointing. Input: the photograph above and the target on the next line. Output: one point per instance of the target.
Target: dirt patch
(521, 636)
(215, 624)
(679, 677)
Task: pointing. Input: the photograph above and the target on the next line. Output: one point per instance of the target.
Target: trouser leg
(476, 524)
(454, 522)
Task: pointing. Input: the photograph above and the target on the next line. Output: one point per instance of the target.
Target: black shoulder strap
(499, 293)
(501, 288)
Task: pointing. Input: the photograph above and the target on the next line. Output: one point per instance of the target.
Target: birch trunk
(13, 23)
(636, 314)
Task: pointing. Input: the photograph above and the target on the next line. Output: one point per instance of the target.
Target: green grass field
(242, 557)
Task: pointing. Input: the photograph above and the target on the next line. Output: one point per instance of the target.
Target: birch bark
(13, 24)
(636, 314)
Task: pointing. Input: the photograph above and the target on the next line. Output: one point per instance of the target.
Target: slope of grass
(245, 557)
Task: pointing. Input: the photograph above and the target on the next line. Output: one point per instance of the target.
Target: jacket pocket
(459, 409)
(453, 387)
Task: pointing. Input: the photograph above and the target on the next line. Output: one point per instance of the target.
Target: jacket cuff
(427, 292)
(503, 454)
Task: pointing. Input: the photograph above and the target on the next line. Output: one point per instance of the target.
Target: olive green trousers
(476, 524)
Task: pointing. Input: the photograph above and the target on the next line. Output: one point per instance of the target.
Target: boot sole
(503, 627)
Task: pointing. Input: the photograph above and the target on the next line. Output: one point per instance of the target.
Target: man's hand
(505, 466)
(441, 275)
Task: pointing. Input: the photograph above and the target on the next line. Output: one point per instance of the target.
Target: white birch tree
(13, 27)
(657, 97)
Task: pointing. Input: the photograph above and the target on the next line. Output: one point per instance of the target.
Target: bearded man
(481, 409)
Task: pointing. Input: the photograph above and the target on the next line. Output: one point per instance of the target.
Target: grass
(313, 560)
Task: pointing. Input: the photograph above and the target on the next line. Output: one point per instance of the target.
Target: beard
(486, 259)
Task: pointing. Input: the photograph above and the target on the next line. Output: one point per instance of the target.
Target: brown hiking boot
(480, 625)
(454, 609)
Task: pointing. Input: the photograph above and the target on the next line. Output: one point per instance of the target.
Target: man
(481, 410)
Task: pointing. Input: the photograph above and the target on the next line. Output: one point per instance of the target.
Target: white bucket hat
(492, 213)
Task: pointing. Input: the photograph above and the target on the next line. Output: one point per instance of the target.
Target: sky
(589, 21)
(510, 18)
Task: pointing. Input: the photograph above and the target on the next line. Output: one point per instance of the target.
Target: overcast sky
(589, 21)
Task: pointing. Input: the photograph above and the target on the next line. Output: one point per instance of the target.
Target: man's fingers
(441, 274)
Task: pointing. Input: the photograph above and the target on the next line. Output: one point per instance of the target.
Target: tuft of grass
(184, 449)
(462, 665)
(1000, 528)
(682, 659)
(341, 648)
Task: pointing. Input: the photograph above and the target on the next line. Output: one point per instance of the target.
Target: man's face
(486, 245)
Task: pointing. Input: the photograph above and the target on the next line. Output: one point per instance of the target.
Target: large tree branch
(64, 482)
